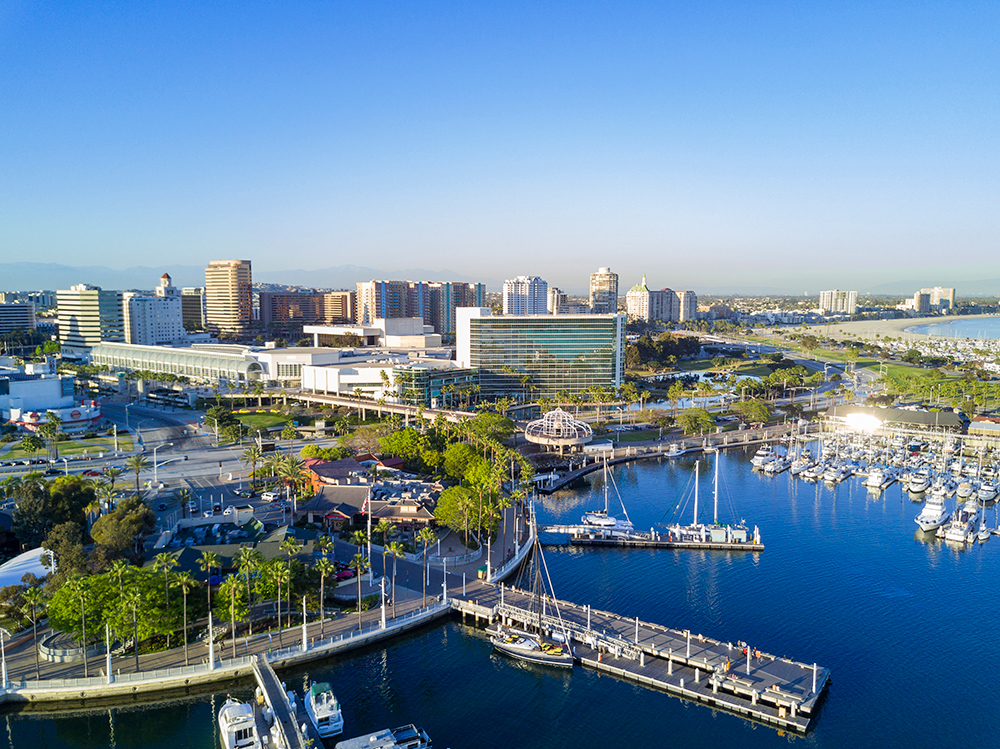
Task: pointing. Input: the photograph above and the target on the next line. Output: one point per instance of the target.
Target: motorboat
(962, 527)
(966, 489)
(987, 491)
(238, 726)
(323, 710)
(800, 465)
(919, 482)
(405, 737)
(763, 456)
(778, 465)
(879, 478)
(677, 449)
(933, 515)
(837, 473)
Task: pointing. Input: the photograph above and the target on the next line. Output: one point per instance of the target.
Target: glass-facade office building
(539, 355)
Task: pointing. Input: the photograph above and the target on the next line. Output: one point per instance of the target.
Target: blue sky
(791, 145)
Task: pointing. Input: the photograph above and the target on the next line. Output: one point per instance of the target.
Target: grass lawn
(640, 436)
(264, 420)
(92, 447)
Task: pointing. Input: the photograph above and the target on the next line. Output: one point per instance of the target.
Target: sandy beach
(865, 329)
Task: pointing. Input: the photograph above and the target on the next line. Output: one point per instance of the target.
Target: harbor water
(986, 328)
(907, 625)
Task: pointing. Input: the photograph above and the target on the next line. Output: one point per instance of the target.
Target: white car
(269, 497)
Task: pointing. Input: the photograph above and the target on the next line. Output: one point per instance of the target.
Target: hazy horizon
(722, 145)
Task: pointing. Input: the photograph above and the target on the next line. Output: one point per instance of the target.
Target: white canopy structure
(558, 429)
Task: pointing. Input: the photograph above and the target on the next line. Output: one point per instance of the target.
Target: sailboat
(714, 533)
(531, 644)
(600, 521)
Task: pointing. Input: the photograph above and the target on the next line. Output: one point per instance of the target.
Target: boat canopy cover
(321, 687)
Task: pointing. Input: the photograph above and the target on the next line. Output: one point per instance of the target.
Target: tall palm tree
(290, 545)
(253, 455)
(209, 560)
(279, 574)
(397, 550)
(166, 562)
(185, 582)
(248, 560)
(384, 529)
(426, 537)
(324, 567)
(359, 566)
(292, 472)
(228, 587)
(34, 598)
(184, 497)
(133, 599)
(138, 464)
(112, 474)
(325, 545)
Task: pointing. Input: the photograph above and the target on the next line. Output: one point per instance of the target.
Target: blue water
(908, 627)
(980, 327)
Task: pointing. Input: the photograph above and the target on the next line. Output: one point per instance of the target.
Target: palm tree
(253, 455)
(132, 599)
(290, 545)
(137, 463)
(185, 582)
(209, 560)
(292, 472)
(279, 574)
(324, 567)
(165, 562)
(426, 537)
(229, 586)
(384, 528)
(34, 597)
(112, 474)
(248, 560)
(397, 550)
(359, 539)
(324, 544)
(359, 567)
(184, 497)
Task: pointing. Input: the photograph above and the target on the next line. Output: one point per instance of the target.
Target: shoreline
(867, 329)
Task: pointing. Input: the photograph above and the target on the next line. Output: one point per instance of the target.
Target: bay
(987, 328)
(907, 626)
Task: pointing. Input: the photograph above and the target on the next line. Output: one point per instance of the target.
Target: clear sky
(797, 145)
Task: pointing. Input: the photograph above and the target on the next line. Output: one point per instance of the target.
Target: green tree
(137, 464)
(32, 443)
(34, 599)
(397, 550)
(324, 567)
(359, 565)
(184, 581)
(426, 536)
(695, 420)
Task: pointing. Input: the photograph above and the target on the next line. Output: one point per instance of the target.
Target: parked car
(269, 496)
(91, 472)
(162, 507)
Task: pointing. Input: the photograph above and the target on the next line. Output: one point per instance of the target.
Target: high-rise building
(555, 352)
(193, 307)
(447, 296)
(604, 292)
(228, 295)
(88, 315)
(17, 316)
(835, 300)
(556, 299)
(306, 307)
(666, 305)
(941, 298)
(154, 320)
(525, 295)
(433, 302)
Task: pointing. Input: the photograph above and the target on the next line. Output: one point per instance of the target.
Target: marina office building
(554, 353)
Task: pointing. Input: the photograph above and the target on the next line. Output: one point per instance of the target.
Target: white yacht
(987, 491)
(405, 737)
(763, 456)
(967, 488)
(879, 478)
(933, 515)
(800, 465)
(604, 523)
(237, 726)
(919, 482)
(323, 710)
(776, 466)
(962, 528)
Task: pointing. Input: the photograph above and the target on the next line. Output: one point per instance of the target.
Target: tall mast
(696, 464)
(715, 519)
(605, 485)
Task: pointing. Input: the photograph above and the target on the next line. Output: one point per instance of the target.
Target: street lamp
(127, 406)
(4, 636)
(165, 444)
(65, 465)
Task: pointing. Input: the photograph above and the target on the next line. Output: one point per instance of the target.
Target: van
(269, 496)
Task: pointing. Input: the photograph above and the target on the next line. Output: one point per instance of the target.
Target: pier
(582, 535)
(774, 691)
(287, 726)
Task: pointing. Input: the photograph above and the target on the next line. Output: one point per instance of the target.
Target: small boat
(405, 737)
(237, 726)
(323, 710)
(966, 489)
(776, 466)
(919, 482)
(880, 478)
(531, 647)
(677, 449)
(987, 491)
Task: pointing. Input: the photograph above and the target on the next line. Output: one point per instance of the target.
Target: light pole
(4, 636)
(127, 407)
(165, 444)
(65, 465)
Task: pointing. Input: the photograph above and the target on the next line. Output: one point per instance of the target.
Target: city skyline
(718, 147)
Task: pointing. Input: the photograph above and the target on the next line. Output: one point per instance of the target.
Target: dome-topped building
(558, 429)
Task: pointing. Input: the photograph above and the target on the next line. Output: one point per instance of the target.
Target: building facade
(525, 295)
(604, 292)
(305, 307)
(17, 316)
(228, 295)
(88, 315)
(193, 307)
(154, 320)
(203, 365)
(664, 305)
(541, 354)
(837, 301)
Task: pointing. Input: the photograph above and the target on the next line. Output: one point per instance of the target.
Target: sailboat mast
(605, 485)
(715, 518)
(696, 464)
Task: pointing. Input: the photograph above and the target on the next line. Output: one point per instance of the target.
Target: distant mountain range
(52, 276)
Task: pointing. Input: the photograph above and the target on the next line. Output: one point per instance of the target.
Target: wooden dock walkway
(294, 733)
(765, 688)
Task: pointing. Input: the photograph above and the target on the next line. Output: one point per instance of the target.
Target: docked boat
(763, 456)
(801, 464)
(323, 710)
(530, 644)
(776, 466)
(716, 533)
(879, 478)
(987, 491)
(238, 726)
(677, 449)
(933, 515)
(604, 523)
(919, 482)
(966, 489)
(963, 528)
(405, 737)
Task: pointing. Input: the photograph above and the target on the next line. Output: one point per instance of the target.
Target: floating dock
(580, 535)
(774, 691)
